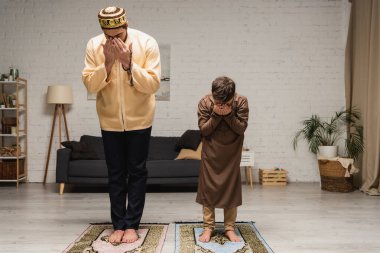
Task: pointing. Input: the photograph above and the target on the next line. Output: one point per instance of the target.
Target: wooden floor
(293, 219)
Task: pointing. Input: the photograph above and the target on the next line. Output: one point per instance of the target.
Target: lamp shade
(59, 94)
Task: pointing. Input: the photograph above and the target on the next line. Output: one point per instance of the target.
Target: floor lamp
(58, 95)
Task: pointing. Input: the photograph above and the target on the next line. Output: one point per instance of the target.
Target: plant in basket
(322, 137)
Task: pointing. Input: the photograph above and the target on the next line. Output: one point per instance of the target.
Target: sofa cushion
(162, 148)
(189, 140)
(80, 150)
(173, 168)
(88, 168)
(96, 142)
(189, 154)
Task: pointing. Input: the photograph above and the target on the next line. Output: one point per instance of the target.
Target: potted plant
(322, 136)
(12, 100)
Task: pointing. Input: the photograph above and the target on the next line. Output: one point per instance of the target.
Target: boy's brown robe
(222, 138)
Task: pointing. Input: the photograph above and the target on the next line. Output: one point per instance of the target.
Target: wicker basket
(8, 169)
(333, 177)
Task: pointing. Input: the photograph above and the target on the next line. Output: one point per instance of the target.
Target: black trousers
(126, 153)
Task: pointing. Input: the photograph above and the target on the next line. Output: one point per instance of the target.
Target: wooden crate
(273, 177)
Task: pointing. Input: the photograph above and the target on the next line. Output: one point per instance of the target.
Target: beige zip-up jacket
(125, 102)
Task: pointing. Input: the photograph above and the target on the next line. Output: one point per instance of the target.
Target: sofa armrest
(62, 169)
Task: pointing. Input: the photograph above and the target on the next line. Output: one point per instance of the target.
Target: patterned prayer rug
(187, 235)
(95, 240)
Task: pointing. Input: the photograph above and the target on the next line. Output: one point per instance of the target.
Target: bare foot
(130, 236)
(230, 234)
(116, 236)
(206, 235)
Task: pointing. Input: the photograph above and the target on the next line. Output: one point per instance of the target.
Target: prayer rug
(187, 235)
(95, 240)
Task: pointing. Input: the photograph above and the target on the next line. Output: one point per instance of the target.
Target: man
(222, 120)
(122, 66)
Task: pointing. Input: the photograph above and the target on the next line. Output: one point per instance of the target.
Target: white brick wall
(285, 56)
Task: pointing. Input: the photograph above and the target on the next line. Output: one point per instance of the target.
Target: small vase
(328, 151)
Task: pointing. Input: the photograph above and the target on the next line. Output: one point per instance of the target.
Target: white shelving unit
(14, 168)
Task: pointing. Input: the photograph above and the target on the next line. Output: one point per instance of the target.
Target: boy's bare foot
(230, 234)
(130, 236)
(116, 236)
(205, 236)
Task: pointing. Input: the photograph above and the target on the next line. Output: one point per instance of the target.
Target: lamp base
(60, 110)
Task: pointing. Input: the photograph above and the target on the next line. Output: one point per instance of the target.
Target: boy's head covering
(112, 17)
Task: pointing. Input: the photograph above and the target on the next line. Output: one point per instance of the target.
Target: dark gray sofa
(162, 168)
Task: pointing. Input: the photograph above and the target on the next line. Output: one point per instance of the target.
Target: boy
(222, 119)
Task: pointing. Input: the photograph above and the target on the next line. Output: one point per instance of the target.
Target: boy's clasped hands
(222, 109)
